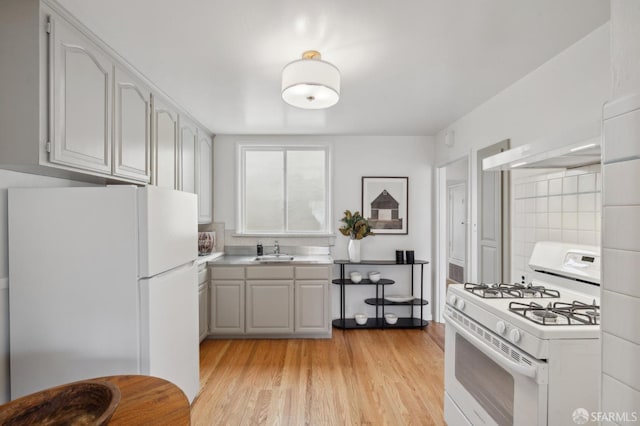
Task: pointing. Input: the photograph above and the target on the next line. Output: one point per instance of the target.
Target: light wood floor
(372, 377)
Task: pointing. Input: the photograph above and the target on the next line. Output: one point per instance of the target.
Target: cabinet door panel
(312, 306)
(203, 310)
(269, 306)
(81, 101)
(204, 182)
(227, 307)
(166, 145)
(132, 130)
(188, 148)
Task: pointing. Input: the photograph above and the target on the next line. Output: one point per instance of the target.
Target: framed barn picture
(385, 202)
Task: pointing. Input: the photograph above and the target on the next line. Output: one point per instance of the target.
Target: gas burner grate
(558, 313)
(510, 291)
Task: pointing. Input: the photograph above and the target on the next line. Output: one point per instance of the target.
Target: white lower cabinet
(270, 300)
(269, 306)
(312, 305)
(226, 301)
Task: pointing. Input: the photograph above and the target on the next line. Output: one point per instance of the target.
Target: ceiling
(409, 67)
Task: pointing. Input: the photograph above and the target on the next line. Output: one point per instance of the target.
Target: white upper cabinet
(188, 149)
(165, 135)
(81, 95)
(204, 181)
(132, 127)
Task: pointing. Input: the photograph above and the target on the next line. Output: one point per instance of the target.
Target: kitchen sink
(269, 258)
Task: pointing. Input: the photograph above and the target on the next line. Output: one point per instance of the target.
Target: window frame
(242, 148)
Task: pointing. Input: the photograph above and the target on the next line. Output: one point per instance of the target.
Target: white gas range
(526, 354)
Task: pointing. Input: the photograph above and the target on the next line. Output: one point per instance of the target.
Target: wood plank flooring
(358, 377)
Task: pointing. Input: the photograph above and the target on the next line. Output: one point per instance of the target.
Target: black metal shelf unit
(379, 301)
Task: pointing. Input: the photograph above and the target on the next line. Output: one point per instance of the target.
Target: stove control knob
(460, 304)
(501, 327)
(514, 336)
(452, 299)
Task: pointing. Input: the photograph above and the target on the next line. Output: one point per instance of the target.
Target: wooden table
(147, 400)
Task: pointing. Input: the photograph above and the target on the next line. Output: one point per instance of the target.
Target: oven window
(485, 380)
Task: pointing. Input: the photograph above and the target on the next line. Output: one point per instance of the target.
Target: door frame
(442, 231)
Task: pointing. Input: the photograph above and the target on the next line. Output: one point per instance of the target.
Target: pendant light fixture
(310, 82)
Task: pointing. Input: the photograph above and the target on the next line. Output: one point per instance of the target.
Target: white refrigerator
(102, 282)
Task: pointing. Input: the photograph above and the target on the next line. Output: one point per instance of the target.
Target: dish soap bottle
(259, 249)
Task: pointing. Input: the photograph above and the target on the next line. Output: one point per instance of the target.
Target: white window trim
(242, 147)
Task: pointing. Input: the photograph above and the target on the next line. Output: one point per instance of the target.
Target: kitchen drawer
(269, 272)
(202, 275)
(227, 273)
(312, 273)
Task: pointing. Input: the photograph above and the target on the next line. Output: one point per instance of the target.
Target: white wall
(10, 179)
(353, 157)
(621, 226)
(563, 94)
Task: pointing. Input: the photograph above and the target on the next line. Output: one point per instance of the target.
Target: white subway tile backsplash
(542, 205)
(622, 183)
(530, 205)
(555, 235)
(555, 204)
(530, 220)
(542, 220)
(542, 234)
(542, 188)
(620, 271)
(570, 203)
(569, 236)
(586, 221)
(617, 356)
(555, 186)
(620, 315)
(555, 220)
(570, 184)
(587, 202)
(587, 182)
(621, 228)
(558, 206)
(588, 237)
(569, 220)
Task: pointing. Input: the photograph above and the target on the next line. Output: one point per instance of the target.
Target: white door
(81, 101)
(132, 141)
(457, 210)
(169, 326)
(493, 247)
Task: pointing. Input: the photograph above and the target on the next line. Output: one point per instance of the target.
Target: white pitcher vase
(354, 250)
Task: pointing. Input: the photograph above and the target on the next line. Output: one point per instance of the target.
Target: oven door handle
(490, 352)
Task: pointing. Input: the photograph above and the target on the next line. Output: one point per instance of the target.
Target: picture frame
(385, 203)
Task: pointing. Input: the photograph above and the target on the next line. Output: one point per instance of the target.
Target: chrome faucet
(276, 247)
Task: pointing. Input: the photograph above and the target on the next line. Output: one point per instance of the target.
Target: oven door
(489, 381)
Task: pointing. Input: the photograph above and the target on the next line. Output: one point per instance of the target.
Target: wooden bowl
(81, 403)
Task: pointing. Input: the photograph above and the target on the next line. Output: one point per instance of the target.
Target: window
(284, 190)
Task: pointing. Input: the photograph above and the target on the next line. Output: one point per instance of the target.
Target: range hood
(552, 153)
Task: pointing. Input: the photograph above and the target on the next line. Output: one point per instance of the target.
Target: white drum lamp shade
(311, 83)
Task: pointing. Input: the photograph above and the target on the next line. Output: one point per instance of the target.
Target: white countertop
(250, 260)
(208, 258)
